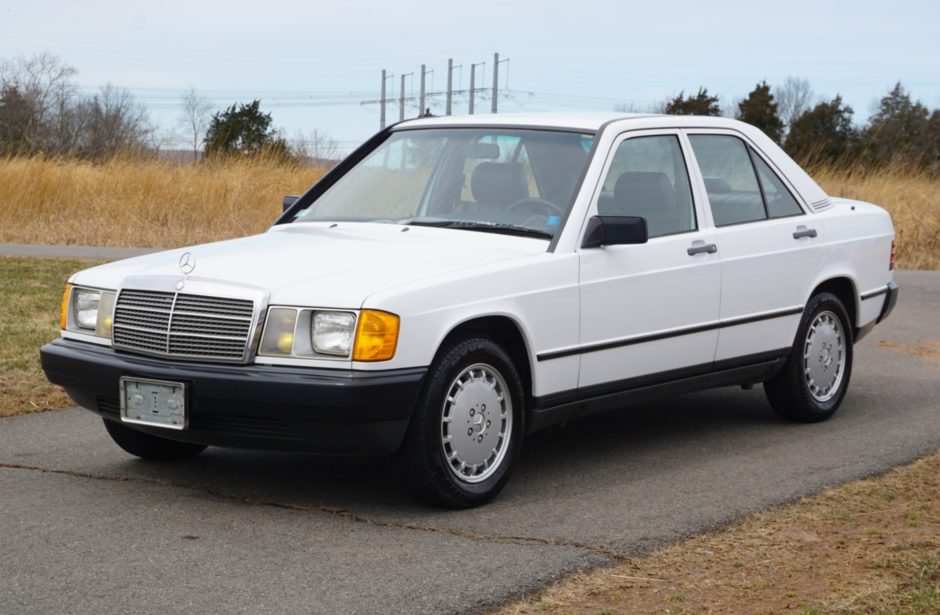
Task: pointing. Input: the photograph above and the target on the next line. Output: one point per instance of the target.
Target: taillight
(894, 253)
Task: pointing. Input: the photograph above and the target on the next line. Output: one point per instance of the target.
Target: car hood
(321, 264)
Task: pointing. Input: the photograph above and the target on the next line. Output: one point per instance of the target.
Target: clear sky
(313, 63)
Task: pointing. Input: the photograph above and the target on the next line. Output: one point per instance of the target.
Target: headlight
(85, 307)
(87, 310)
(278, 338)
(333, 333)
(311, 333)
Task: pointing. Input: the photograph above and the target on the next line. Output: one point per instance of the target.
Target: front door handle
(699, 247)
(802, 231)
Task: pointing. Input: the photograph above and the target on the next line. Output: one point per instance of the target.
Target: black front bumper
(251, 406)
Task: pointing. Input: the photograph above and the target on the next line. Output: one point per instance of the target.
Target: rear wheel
(467, 427)
(815, 378)
(150, 447)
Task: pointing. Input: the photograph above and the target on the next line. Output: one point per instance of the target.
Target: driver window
(648, 178)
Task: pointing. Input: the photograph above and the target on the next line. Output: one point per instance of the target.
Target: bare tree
(794, 97)
(731, 108)
(44, 85)
(194, 118)
(316, 147)
(112, 122)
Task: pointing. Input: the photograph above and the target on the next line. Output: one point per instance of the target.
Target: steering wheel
(534, 205)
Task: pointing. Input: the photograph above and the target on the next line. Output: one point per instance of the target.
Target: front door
(649, 312)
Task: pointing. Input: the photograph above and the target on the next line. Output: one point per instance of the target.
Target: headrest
(716, 185)
(638, 191)
(498, 183)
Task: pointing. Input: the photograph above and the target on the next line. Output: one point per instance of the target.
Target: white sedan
(459, 282)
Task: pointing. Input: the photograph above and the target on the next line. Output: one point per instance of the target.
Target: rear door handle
(699, 247)
(802, 231)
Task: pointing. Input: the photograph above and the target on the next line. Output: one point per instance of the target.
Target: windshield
(469, 178)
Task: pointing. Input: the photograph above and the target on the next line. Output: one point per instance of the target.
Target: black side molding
(560, 407)
(744, 320)
(890, 300)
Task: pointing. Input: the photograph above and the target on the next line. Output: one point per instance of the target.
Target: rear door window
(730, 181)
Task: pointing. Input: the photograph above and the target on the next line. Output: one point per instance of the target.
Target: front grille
(182, 325)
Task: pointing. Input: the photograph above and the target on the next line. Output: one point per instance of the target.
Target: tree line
(900, 131)
(42, 113)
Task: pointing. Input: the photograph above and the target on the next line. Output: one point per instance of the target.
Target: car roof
(571, 121)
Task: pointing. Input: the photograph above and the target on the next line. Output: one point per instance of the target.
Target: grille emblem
(187, 262)
(181, 284)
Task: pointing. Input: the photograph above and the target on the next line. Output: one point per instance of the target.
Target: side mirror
(289, 200)
(614, 230)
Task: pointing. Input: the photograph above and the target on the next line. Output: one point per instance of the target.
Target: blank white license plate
(158, 403)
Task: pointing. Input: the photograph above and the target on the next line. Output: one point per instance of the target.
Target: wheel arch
(505, 330)
(843, 287)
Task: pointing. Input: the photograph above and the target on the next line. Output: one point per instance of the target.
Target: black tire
(789, 392)
(150, 447)
(424, 462)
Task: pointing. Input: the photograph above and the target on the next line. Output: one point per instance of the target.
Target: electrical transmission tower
(448, 94)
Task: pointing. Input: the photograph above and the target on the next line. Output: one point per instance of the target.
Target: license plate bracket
(155, 403)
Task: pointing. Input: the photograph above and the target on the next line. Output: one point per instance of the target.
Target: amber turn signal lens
(64, 308)
(376, 336)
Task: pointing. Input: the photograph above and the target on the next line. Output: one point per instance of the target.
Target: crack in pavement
(331, 510)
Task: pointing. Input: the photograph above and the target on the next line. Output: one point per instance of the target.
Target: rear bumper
(251, 406)
(890, 293)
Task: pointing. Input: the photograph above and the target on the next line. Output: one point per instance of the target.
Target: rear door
(648, 311)
(769, 246)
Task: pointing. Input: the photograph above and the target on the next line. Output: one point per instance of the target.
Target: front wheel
(815, 378)
(467, 427)
(150, 447)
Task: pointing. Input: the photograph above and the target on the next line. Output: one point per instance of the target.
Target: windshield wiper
(487, 227)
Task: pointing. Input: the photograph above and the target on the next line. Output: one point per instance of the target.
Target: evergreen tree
(822, 134)
(243, 129)
(898, 130)
(760, 110)
(700, 104)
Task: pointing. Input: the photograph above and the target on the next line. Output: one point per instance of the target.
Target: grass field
(30, 296)
(160, 204)
(147, 204)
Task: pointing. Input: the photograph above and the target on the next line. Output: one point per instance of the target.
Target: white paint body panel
(565, 298)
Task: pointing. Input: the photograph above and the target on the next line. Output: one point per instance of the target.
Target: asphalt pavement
(89, 529)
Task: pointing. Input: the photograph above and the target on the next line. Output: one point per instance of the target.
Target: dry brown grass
(159, 204)
(872, 546)
(142, 203)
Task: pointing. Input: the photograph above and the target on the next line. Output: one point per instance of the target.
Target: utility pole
(450, 85)
(401, 100)
(473, 71)
(382, 104)
(473, 81)
(421, 98)
(495, 81)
